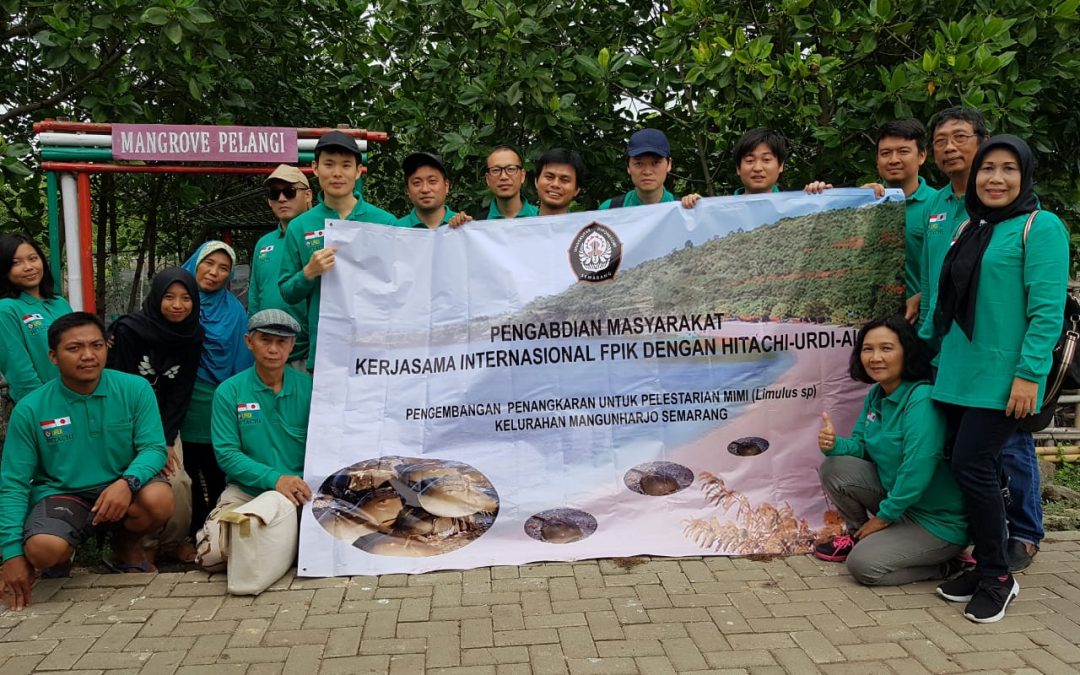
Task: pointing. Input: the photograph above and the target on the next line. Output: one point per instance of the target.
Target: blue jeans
(1024, 512)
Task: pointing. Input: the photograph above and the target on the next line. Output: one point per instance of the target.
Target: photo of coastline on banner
(646, 380)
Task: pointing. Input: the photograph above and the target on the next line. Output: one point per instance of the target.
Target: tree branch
(28, 108)
(21, 29)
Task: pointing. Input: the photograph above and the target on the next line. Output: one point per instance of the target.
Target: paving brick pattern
(643, 615)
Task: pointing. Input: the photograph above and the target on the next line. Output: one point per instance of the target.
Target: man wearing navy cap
(648, 161)
(427, 186)
(259, 427)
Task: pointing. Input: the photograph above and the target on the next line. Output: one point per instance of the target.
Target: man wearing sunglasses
(505, 174)
(288, 194)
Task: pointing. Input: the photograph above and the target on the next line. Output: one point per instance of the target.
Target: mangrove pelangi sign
(203, 143)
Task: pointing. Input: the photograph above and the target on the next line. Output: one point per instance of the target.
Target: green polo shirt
(303, 237)
(632, 199)
(61, 442)
(412, 220)
(1018, 316)
(903, 434)
(24, 327)
(527, 211)
(259, 435)
(945, 212)
(742, 190)
(915, 216)
(264, 291)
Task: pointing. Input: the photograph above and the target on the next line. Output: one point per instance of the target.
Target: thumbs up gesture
(827, 436)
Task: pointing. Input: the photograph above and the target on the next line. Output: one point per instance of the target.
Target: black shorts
(68, 516)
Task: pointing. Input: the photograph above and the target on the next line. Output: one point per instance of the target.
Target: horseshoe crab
(748, 446)
(658, 479)
(560, 526)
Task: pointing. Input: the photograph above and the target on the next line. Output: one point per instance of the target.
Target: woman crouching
(888, 480)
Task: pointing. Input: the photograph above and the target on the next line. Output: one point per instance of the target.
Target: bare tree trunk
(149, 234)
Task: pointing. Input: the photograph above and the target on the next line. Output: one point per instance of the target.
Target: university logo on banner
(595, 253)
(33, 322)
(248, 413)
(314, 239)
(56, 430)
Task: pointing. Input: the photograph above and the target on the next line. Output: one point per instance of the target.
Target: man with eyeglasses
(505, 175)
(289, 194)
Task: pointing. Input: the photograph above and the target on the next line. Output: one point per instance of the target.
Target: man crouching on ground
(259, 426)
(82, 451)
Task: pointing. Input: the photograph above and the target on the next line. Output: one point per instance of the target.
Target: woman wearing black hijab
(162, 343)
(999, 315)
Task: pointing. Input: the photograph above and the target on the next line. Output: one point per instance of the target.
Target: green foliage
(458, 76)
(1068, 474)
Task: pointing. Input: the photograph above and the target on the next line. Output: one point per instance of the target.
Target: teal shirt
(527, 211)
(412, 220)
(303, 237)
(1018, 316)
(259, 435)
(915, 217)
(196, 425)
(61, 442)
(631, 199)
(24, 327)
(264, 291)
(903, 434)
(742, 190)
(945, 212)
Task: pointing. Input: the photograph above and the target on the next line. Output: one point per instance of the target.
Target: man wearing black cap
(338, 166)
(288, 194)
(259, 426)
(648, 161)
(426, 185)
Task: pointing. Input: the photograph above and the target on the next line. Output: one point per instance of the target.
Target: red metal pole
(302, 132)
(86, 242)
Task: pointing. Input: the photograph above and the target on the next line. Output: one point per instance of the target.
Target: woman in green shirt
(999, 312)
(904, 512)
(29, 304)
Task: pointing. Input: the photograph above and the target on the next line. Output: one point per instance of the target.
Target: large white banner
(645, 380)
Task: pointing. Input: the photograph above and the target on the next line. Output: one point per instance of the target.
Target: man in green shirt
(289, 194)
(505, 175)
(559, 174)
(956, 135)
(82, 451)
(648, 161)
(427, 186)
(759, 161)
(338, 166)
(259, 426)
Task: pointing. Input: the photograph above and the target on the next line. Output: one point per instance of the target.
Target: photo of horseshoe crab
(657, 479)
(560, 526)
(407, 506)
(748, 446)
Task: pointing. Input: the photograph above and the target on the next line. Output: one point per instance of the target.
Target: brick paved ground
(720, 615)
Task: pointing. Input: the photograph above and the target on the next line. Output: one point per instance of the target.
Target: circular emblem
(595, 253)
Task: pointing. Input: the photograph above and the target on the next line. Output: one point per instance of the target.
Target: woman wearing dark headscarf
(224, 354)
(999, 315)
(162, 342)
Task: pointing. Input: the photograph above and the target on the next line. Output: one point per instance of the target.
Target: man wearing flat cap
(259, 428)
(427, 186)
(288, 194)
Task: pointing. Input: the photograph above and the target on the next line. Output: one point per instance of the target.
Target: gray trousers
(902, 553)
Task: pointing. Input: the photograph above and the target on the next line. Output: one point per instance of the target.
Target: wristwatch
(133, 483)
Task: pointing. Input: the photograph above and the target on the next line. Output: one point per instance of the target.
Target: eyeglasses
(957, 139)
(289, 192)
(511, 170)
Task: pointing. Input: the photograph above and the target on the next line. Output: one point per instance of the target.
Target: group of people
(196, 393)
